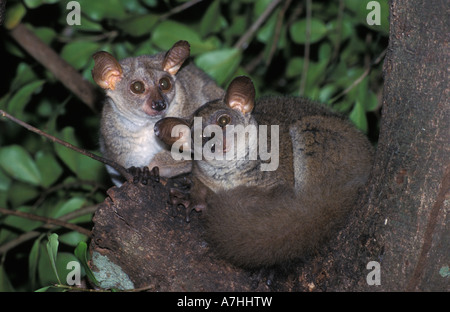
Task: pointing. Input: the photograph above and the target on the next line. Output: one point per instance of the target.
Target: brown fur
(257, 218)
(259, 227)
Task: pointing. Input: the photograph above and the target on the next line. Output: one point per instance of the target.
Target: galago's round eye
(165, 84)
(137, 87)
(223, 120)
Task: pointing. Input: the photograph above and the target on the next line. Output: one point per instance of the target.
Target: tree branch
(62, 70)
(46, 220)
(179, 9)
(360, 78)
(242, 42)
(32, 234)
(277, 31)
(307, 48)
(108, 162)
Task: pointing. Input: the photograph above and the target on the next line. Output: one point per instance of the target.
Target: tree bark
(402, 223)
(408, 197)
(149, 247)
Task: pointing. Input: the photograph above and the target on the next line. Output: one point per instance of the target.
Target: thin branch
(179, 9)
(337, 43)
(108, 162)
(360, 78)
(80, 289)
(242, 42)
(32, 234)
(18, 240)
(277, 31)
(294, 14)
(62, 70)
(110, 35)
(46, 220)
(64, 185)
(307, 47)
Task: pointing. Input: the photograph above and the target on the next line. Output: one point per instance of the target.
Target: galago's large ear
(241, 94)
(107, 70)
(172, 129)
(176, 56)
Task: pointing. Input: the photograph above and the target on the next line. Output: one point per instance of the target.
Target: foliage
(337, 64)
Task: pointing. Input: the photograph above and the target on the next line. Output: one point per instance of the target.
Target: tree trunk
(408, 198)
(402, 224)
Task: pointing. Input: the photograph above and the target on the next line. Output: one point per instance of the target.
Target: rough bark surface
(137, 231)
(411, 184)
(403, 223)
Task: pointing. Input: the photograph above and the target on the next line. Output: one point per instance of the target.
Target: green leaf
(371, 101)
(20, 193)
(298, 31)
(97, 10)
(20, 99)
(49, 167)
(24, 75)
(135, 7)
(212, 20)
(220, 64)
(69, 157)
(358, 116)
(46, 34)
(343, 105)
(326, 93)
(89, 169)
(88, 25)
(14, 15)
(325, 51)
(32, 4)
(365, 96)
(48, 272)
(139, 25)
(265, 33)
(68, 206)
(313, 76)
(52, 250)
(83, 166)
(5, 284)
(76, 53)
(5, 181)
(169, 32)
(33, 260)
(16, 161)
(259, 7)
(347, 28)
(81, 254)
(237, 28)
(294, 67)
(43, 289)
(359, 7)
(72, 238)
